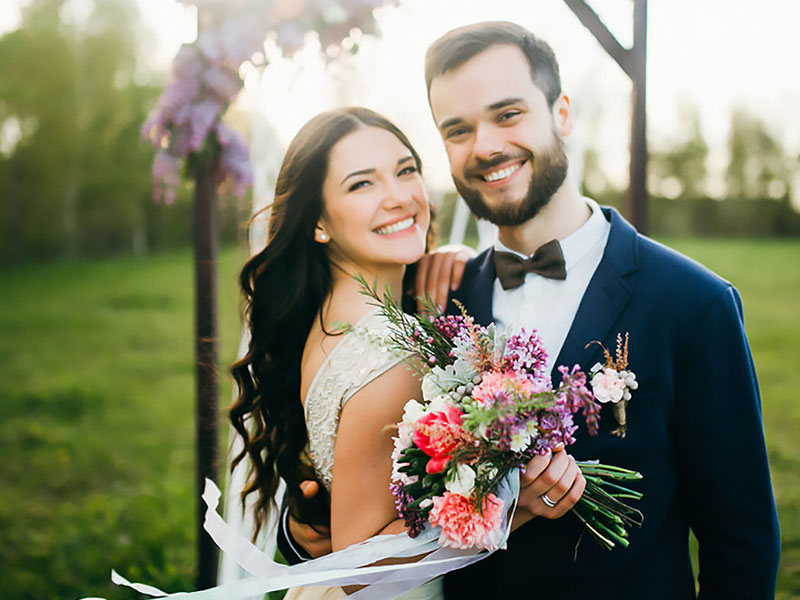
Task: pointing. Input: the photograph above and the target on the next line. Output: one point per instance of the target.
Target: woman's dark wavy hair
(283, 288)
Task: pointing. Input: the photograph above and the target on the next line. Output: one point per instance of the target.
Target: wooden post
(637, 190)
(634, 62)
(205, 262)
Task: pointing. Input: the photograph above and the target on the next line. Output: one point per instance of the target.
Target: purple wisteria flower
(205, 81)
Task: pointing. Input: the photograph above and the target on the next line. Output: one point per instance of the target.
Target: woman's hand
(440, 272)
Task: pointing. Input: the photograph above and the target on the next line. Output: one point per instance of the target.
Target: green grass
(97, 404)
(96, 423)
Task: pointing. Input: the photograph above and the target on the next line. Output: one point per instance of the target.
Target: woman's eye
(358, 185)
(408, 170)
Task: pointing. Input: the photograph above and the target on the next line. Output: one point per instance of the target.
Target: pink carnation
(463, 526)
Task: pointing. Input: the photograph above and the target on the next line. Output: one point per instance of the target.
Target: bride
(349, 199)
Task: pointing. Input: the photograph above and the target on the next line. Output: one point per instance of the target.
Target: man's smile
(502, 174)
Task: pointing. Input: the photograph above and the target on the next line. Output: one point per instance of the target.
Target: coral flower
(495, 386)
(463, 526)
(437, 434)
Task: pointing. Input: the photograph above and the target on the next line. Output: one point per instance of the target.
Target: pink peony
(463, 526)
(437, 434)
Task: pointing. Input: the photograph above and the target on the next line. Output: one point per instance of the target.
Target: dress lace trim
(363, 354)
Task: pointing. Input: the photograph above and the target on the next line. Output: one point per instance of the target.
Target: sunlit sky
(709, 54)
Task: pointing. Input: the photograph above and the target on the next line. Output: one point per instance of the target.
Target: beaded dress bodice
(363, 354)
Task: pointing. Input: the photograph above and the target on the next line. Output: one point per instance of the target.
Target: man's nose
(488, 142)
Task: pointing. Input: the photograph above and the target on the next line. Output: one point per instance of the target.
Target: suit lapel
(478, 297)
(605, 298)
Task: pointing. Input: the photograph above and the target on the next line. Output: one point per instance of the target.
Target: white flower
(460, 480)
(608, 386)
(595, 368)
(412, 412)
(401, 442)
(630, 379)
(405, 431)
(520, 440)
(439, 403)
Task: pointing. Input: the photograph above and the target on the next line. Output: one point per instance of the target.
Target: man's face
(506, 156)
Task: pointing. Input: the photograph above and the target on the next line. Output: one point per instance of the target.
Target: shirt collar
(578, 243)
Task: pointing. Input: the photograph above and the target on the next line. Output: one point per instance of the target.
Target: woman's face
(375, 205)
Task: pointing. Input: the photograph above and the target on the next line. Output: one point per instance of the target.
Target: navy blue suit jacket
(694, 432)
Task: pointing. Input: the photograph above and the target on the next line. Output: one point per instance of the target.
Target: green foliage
(683, 164)
(96, 420)
(75, 180)
(758, 167)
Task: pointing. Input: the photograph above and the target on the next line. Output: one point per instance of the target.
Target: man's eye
(358, 185)
(454, 133)
(509, 114)
(408, 170)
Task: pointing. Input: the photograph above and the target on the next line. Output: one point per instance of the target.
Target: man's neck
(564, 214)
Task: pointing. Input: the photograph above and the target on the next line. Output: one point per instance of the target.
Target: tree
(681, 169)
(758, 166)
(75, 178)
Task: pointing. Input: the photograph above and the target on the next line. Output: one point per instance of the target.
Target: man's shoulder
(672, 268)
(658, 266)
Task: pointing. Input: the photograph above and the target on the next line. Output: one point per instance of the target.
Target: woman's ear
(320, 234)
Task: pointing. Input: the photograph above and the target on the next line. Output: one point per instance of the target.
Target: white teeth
(502, 173)
(395, 227)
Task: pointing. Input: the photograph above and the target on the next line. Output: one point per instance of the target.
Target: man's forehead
(497, 73)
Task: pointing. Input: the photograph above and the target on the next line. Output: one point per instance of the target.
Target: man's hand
(314, 539)
(551, 485)
(440, 272)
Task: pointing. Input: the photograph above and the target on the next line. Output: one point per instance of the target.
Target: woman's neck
(348, 303)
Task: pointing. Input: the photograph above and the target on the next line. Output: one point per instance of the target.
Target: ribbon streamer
(350, 566)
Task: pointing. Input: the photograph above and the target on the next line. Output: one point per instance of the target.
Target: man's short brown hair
(456, 47)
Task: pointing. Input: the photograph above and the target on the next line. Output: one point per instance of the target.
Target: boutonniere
(614, 381)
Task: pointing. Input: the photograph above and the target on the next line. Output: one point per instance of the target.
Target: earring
(323, 237)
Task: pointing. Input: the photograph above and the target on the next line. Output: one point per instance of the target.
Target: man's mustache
(481, 165)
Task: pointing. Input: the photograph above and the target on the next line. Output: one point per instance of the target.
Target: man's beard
(549, 171)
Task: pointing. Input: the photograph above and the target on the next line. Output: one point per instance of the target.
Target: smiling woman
(377, 217)
(350, 200)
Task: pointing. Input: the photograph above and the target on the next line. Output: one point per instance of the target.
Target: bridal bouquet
(488, 406)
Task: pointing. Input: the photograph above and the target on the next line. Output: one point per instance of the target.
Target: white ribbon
(344, 567)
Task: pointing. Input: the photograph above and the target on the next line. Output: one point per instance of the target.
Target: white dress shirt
(549, 305)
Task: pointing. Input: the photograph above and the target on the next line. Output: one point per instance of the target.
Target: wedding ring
(546, 499)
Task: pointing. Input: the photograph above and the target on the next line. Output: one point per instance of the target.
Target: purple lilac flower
(413, 520)
(525, 353)
(451, 326)
(235, 160)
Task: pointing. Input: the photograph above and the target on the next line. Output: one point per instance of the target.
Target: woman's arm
(361, 503)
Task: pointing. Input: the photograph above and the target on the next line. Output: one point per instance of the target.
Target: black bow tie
(547, 261)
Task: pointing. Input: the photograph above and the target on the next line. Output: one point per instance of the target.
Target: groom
(693, 427)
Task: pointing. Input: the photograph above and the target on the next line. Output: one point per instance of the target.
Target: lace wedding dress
(362, 355)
